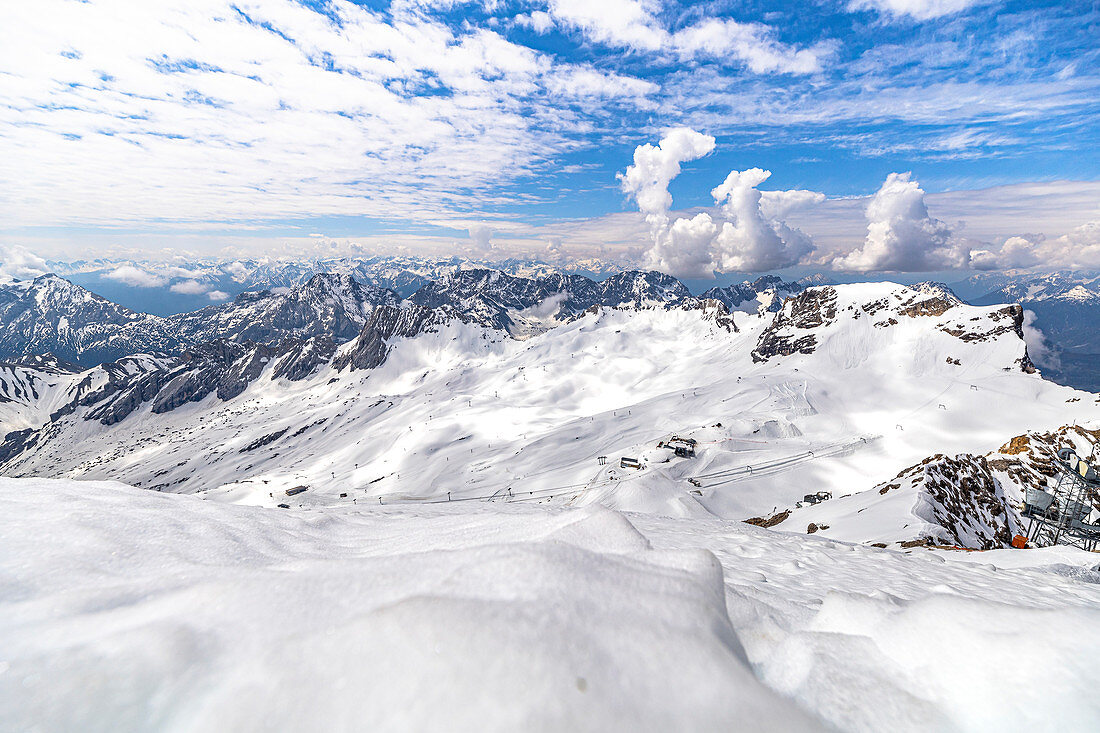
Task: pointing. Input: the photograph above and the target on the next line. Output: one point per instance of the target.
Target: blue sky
(500, 128)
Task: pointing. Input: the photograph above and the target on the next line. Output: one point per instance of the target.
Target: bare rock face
(787, 335)
(387, 323)
(1008, 320)
(961, 498)
(714, 310)
(928, 307)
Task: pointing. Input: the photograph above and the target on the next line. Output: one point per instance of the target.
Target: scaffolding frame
(1061, 517)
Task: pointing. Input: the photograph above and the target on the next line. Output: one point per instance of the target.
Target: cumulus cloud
(750, 241)
(189, 287)
(136, 277)
(901, 236)
(1079, 247)
(917, 9)
(554, 250)
(646, 181)
(1038, 348)
(17, 263)
(1014, 253)
(482, 237)
(236, 270)
(217, 295)
(684, 249)
(746, 237)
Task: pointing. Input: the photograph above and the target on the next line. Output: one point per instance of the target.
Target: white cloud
(189, 287)
(1078, 248)
(634, 24)
(177, 271)
(646, 181)
(482, 237)
(17, 263)
(684, 248)
(629, 23)
(218, 295)
(749, 240)
(751, 43)
(537, 20)
(236, 270)
(917, 9)
(1014, 253)
(901, 236)
(744, 239)
(1038, 348)
(779, 204)
(208, 110)
(136, 277)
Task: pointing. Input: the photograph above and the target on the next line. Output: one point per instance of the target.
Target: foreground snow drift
(127, 609)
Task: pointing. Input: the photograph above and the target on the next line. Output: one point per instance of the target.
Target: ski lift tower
(1061, 517)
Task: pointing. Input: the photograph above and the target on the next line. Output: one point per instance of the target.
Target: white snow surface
(126, 609)
(468, 413)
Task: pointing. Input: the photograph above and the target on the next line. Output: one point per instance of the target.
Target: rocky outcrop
(961, 497)
(372, 347)
(786, 335)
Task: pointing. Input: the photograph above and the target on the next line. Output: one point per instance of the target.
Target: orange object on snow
(1019, 542)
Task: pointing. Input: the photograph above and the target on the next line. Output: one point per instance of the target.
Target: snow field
(131, 610)
(470, 413)
(126, 609)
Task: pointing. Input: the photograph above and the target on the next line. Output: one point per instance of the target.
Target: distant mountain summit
(763, 294)
(51, 315)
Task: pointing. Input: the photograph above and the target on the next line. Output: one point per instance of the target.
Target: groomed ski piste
(464, 412)
(453, 554)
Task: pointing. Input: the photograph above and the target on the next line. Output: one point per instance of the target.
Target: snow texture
(127, 609)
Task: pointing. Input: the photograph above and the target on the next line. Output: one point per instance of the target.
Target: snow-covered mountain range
(177, 285)
(486, 385)
(1066, 308)
(51, 315)
(389, 505)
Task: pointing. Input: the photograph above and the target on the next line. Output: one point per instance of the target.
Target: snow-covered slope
(841, 389)
(964, 500)
(129, 610)
(31, 388)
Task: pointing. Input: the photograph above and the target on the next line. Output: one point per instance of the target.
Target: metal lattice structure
(1061, 517)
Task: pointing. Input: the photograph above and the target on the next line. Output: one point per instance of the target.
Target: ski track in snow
(465, 413)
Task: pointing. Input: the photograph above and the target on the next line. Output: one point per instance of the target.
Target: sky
(703, 137)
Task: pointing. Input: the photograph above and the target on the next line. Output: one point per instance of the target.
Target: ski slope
(467, 413)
